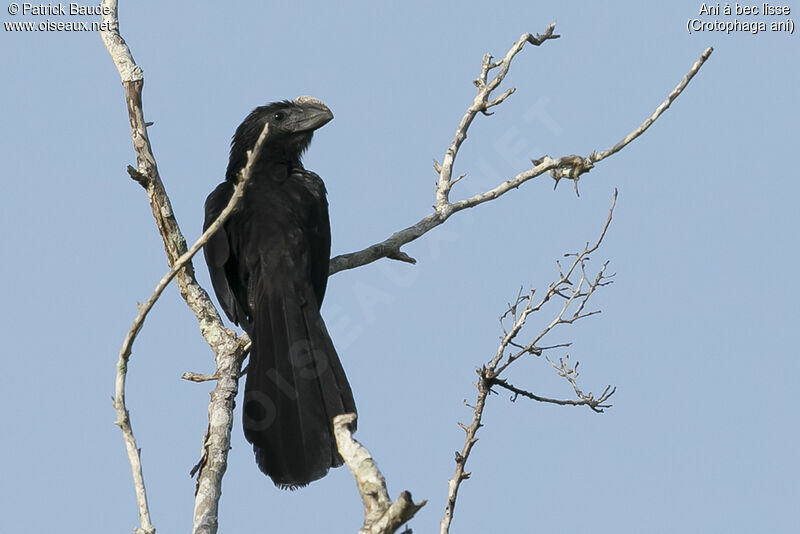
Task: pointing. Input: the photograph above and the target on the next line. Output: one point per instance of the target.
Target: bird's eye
(279, 116)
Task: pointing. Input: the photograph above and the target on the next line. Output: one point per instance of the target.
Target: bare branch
(123, 421)
(512, 322)
(381, 515)
(481, 103)
(571, 375)
(186, 257)
(470, 440)
(570, 292)
(659, 110)
(228, 348)
(130, 74)
(583, 400)
(125, 351)
(570, 166)
(128, 70)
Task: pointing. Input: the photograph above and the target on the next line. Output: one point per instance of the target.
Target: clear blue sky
(697, 332)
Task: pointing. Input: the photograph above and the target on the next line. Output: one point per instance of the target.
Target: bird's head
(291, 127)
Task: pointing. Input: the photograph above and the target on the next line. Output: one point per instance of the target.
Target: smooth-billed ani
(269, 268)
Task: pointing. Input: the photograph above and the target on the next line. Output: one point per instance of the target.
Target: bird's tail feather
(295, 386)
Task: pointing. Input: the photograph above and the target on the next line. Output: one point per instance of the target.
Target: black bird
(269, 268)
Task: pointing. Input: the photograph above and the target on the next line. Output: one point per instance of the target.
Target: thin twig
(576, 296)
(598, 156)
(575, 292)
(583, 400)
(571, 375)
(470, 439)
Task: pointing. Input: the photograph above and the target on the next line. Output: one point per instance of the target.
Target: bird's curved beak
(315, 114)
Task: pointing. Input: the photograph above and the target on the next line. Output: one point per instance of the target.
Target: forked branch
(569, 166)
(228, 348)
(381, 515)
(574, 297)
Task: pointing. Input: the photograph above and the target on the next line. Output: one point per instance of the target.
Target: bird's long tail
(295, 386)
